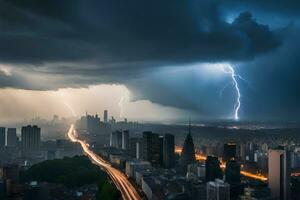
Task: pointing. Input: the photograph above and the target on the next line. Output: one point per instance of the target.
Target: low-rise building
(132, 166)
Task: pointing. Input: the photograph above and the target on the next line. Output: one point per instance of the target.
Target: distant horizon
(208, 123)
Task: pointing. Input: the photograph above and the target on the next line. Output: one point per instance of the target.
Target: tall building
(116, 139)
(168, 150)
(11, 137)
(2, 136)
(31, 138)
(212, 169)
(125, 140)
(233, 172)
(105, 116)
(188, 151)
(229, 151)
(93, 124)
(233, 177)
(135, 149)
(161, 150)
(112, 141)
(279, 173)
(139, 149)
(217, 190)
(89, 124)
(152, 148)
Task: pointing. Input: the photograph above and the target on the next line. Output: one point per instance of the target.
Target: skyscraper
(212, 169)
(93, 124)
(31, 138)
(135, 147)
(188, 151)
(125, 140)
(12, 137)
(105, 116)
(116, 139)
(151, 148)
(233, 177)
(168, 150)
(2, 136)
(161, 148)
(229, 151)
(233, 172)
(279, 173)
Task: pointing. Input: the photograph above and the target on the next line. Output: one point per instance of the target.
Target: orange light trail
(260, 177)
(121, 181)
(296, 174)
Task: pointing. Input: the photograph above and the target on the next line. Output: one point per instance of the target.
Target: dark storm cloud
(275, 78)
(51, 44)
(119, 32)
(278, 7)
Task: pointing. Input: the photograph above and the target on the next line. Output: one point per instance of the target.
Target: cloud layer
(113, 34)
(52, 44)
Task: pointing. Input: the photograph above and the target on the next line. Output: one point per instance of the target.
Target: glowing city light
(121, 181)
(257, 176)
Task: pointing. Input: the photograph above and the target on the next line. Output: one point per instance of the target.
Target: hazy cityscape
(149, 100)
(154, 161)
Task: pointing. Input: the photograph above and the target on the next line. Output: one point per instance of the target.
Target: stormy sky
(164, 54)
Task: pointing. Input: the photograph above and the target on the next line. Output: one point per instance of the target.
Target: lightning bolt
(121, 105)
(228, 69)
(68, 106)
(70, 109)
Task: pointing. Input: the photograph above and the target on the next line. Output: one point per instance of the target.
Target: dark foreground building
(188, 152)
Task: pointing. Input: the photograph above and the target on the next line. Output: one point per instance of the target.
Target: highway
(121, 181)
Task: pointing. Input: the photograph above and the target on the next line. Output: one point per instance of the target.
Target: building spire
(188, 151)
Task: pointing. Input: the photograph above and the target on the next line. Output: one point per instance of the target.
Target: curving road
(121, 181)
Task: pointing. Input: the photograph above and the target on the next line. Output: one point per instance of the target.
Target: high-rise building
(105, 116)
(112, 121)
(31, 138)
(93, 124)
(188, 151)
(233, 172)
(152, 148)
(233, 177)
(116, 139)
(135, 149)
(168, 151)
(2, 136)
(112, 141)
(279, 173)
(229, 151)
(125, 140)
(212, 169)
(89, 124)
(251, 147)
(139, 149)
(11, 137)
(217, 190)
(161, 150)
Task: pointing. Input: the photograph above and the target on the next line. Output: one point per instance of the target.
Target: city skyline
(149, 100)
